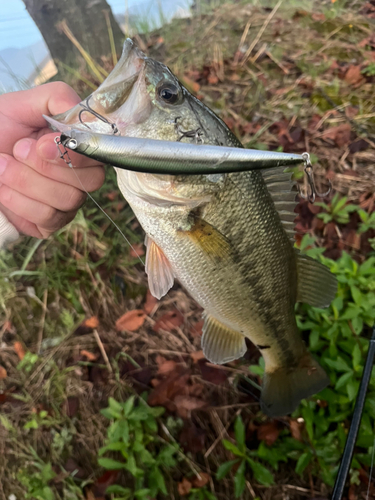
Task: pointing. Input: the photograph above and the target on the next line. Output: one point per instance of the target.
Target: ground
(78, 326)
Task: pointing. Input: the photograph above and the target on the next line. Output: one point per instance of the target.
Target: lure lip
(169, 157)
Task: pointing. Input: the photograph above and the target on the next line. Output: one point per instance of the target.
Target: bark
(85, 19)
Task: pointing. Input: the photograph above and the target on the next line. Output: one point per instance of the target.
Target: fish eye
(168, 92)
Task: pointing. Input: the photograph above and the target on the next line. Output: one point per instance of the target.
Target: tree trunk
(85, 19)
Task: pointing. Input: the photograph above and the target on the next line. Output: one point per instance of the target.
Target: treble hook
(86, 107)
(312, 192)
(191, 134)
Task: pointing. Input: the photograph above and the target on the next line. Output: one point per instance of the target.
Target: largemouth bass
(225, 237)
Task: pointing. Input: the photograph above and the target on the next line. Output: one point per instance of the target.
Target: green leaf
(239, 480)
(232, 447)
(116, 488)
(239, 431)
(109, 463)
(131, 466)
(357, 356)
(356, 294)
(48, 494)
(303, 462)
(156, 482)
(224, 468)
(128, 406)
(261, 473)
(343, 380)
(144, 492)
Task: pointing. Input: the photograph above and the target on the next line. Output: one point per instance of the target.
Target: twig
(41, 329)
(242, 41)
(190, 462)
(102, 350)
(261, 31)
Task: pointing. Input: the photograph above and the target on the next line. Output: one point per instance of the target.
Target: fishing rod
(354, 426)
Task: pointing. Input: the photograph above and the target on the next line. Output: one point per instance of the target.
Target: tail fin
(284, 387)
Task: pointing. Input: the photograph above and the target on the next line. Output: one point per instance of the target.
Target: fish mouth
(104, 111)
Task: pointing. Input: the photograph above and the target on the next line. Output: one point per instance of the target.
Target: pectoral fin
(317, 286)
(209, 239)
(220, 344)
(158, 269)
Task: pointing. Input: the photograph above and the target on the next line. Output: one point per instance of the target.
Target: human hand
(39, 193)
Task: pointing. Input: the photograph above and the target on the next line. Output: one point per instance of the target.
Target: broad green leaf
(357, 356)
(261, 473)
(239, 480)
(109, 463)
(224, 468)
(116, 488)
(156, 482)
(232, 447)
(239, 431)
(48, 494)
(303, 462)
(143, 493)
(343, 380)
(128, 406)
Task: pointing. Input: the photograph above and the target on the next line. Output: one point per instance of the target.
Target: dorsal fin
(280, 186)
(158, 269)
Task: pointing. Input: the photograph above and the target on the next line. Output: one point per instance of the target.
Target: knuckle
(74, 199)
(6, 195)
(44, 167)
(61, 87)
(96, 180)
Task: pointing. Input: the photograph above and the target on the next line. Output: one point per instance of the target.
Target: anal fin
(317, 286)
(158, 269)
(221, 344)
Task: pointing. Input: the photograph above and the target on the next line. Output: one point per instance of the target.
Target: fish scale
(225, 237)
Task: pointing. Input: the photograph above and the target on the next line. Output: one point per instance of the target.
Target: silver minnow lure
(169, 157)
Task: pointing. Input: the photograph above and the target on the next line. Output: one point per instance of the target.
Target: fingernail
(3, 163)
(22, 149)
(48, 150)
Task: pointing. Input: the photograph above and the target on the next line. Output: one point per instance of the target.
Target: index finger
(47, 150)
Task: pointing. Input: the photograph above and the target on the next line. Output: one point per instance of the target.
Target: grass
(60, 298)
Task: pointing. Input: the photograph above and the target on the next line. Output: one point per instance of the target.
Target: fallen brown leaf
(353, 76)
(173, 385)
(136, 250)
(184, 487)
(3, 373)
(92, 322)
(199, 482)
(167, 367)
(150, 303)
(210, 374)
(71, 406)
(131, 320)
(296, 429)
(189, 403)
(169, 321)
(268, 432)
(191, 84)
(89, 355)
(192, 438)
(20, 351)
(196, 329)
(197, 356)
(340, 134)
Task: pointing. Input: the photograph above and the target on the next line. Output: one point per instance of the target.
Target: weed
(368, 221)
(132, 435)
(244, 461)
(338, 211)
